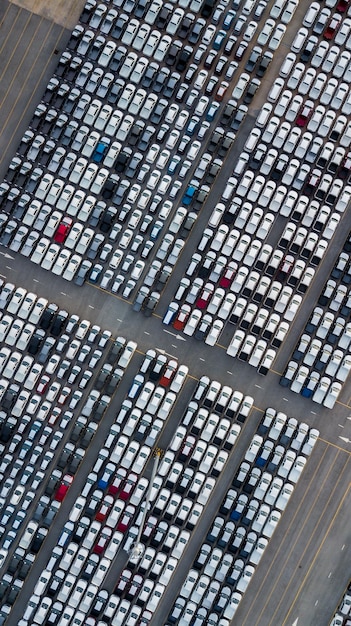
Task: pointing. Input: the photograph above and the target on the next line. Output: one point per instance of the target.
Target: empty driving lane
(330, 569)
(291, 584)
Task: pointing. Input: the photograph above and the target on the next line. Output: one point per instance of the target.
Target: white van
(216, 215)
(311, 14)
(165, 210)
(248, 6)
(287, 65)
(229, 188)
(177, 220)
(264, 115)
(240, 164)
(194, 263)
(299, 40)
(201, 105)
(252, 140)
(276, 89)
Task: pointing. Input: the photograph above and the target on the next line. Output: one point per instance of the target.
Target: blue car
(173, 164)
(212, 111)
(219, 39)
(189, 194)
(99, 152)
(192, 125)
(229, 19)
(105, 479)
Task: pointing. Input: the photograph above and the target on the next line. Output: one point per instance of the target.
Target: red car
(149, 528)
(313, 182)
(134, 587)
(169, 373)
(342, 6)
(61, 491)
(117, 482)
(126, 518)
(304, 113)
(63, 230)
(332, 27)
(345, 170)
(104, 509)
(205, 297)
(128, 486)
(228, 275)
(287, 264)
(105, 537)
(182, 317)
(43, 383)
(123, 582)
(187, 448)
(221, 91)
(64, 395)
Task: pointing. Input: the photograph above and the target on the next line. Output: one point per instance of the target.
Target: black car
(184, 58)
(173, 52)
(122, 159)
(96, 213)
(48, 316)
(159, 109)
(109, 187)
(151, 303)
(59, 323)
(251, 90)
(38, 540)
(120, 26)
(197, 30)
(118, 58)
(115, 91)
(170, 86)
(185, 26)
(264, 63)
(239, 117)
(163, 16)
(108, 219)
(82, 272)
(36, 341)
(135, 132)
(150, 74)
(207, 8)
(253, 58)
(306, 52)
(161, 79)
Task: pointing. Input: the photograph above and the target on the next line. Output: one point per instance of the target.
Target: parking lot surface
(174, 329)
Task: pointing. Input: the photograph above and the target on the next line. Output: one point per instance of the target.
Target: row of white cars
(307, 243)
(247, 518)
(32, 431)
(89, 176)
(102, 516)
(209, 416)
(88, 172)
(173, 475)
(321, 360)
(242, 296)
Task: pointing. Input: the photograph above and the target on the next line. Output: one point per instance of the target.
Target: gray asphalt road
(306, 566)
(30, 46)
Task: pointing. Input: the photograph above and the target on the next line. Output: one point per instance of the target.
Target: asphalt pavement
(305, 569)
